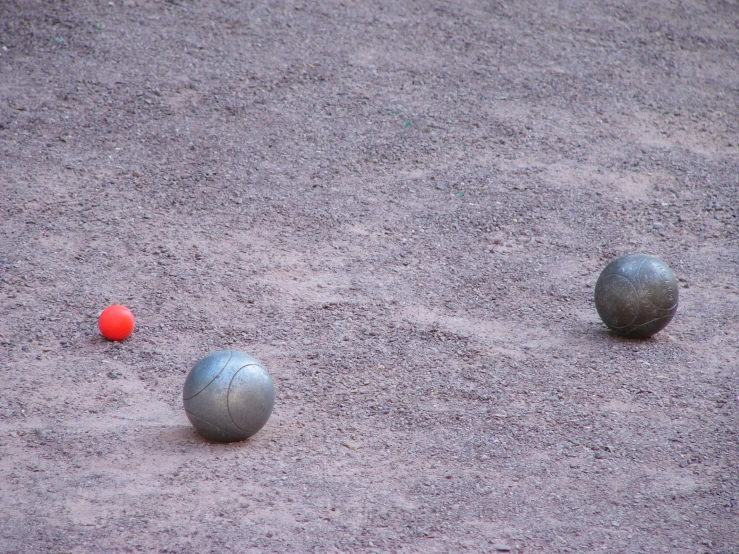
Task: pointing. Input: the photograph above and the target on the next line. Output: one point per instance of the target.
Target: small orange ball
(116, 322)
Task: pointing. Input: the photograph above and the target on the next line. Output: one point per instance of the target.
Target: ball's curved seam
(662, 309)
(228, 395)
(638, 302)
(647, 299)
(638, 274)
(636, 292)
(230, 355)
(646, 323)
(230, 434)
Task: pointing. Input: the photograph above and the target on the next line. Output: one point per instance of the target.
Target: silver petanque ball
(636, 295)
(228, 396)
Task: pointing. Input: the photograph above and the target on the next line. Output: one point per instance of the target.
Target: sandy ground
(401, 208)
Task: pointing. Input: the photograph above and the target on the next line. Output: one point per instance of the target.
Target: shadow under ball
(636, 295)
(228, 396)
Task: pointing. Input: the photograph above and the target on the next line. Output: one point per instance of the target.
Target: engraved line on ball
(609, 317)
(229, 433)
(632, 331)
(228, 395)
(230, 355)
(638, 273)
(647, 299)
(662, 276)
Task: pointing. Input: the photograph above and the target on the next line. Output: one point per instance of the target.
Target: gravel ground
(401, 208)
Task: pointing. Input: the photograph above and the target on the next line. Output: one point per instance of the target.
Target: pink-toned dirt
(401, 208)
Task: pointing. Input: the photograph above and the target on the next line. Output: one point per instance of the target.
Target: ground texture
(401, 208)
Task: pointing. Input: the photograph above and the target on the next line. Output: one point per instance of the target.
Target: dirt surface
(401, 208)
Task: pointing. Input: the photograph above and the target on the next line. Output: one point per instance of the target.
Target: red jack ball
(116, 322)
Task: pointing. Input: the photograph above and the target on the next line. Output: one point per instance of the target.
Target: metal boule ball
(636, 295)
(228, 396)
